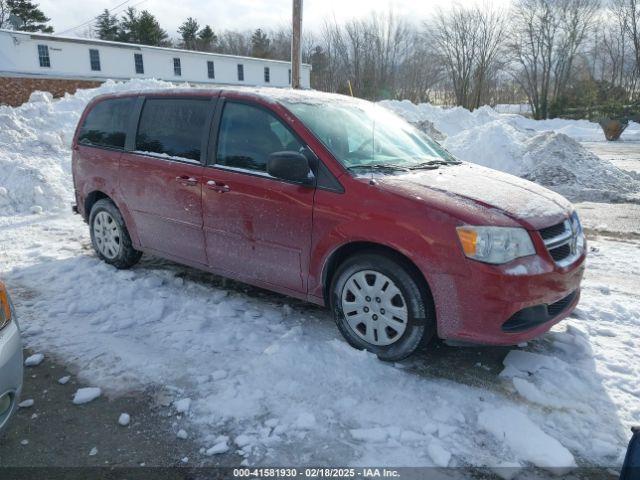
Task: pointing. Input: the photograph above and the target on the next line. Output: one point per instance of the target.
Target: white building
(37, 55)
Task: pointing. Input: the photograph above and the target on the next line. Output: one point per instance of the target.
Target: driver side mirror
(290, 166)
(631, 466)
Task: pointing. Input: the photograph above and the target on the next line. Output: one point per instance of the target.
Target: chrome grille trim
(571, 236)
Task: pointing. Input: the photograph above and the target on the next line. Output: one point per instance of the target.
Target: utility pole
(296, 44)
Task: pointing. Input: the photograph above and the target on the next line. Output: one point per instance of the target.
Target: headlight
(495, 244)
(5, 307)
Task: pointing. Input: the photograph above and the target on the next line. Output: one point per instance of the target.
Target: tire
(393, 333)
(110, 237)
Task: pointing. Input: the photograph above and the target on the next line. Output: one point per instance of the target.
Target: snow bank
(546, 152)
(35, 138)
(35, 141)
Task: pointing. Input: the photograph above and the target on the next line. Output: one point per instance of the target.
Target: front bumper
(11, 362)
(481, 306)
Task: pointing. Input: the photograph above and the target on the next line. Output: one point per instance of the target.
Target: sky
(238, 14)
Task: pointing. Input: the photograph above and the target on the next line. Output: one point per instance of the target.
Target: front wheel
(110, 237)
(381, 305)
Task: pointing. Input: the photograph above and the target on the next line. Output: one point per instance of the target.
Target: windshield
(365, 135)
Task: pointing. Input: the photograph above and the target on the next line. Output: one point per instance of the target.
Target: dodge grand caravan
(333, 200)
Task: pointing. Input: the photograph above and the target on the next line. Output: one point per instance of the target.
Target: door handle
(217, 186)
(186, 180)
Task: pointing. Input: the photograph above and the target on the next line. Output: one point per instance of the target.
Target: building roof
(133, 46)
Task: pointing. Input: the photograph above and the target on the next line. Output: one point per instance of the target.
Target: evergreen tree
(189, 31)
(142, 28)
(106, 26)
(149, 31)
(260, 44)
(31, 18)
(207, 39)
(128, 26)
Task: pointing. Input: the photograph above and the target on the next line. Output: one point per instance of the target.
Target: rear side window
(173, 127)
(106, 124)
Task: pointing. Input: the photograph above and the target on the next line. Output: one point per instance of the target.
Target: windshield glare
(364, 134)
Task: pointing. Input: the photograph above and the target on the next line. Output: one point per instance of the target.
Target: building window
(177, 69)
(137, 57)
(43, 56)
(211, 73)
(289, 76)
(240, 72)
(267, 76)
(94, 58)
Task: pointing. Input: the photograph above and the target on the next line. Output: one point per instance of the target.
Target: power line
(91, 20)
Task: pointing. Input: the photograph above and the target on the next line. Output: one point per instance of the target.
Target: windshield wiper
(387, 167)
(431, 165)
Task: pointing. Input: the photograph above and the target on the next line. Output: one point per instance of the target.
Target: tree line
(557, 56)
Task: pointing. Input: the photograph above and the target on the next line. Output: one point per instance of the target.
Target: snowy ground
(270, 378)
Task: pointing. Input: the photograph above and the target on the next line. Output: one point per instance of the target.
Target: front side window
(177, 69)
(240, 72)
(173, 127)
(137, 59)
(364, 135)
(211, 73)
(248, 135)
(267, 75)
(94, 59)
(43, 56)
(106, 124)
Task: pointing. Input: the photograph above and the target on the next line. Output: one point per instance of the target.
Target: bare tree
(627, 15)
(468, 41)
(546, 36)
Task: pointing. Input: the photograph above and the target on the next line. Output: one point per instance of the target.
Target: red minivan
(333, 200)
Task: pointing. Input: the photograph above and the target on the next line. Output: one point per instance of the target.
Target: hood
(518, 199)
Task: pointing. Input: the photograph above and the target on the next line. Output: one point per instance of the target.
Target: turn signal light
(5, 309)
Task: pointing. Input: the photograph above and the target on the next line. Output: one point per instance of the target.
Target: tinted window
(173, 127)
(248, 135)
(106, 124)
(94, 58)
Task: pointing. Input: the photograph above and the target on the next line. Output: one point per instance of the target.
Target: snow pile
(35, 147)
(545, 152)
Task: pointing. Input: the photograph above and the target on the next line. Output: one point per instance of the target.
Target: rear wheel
(381, 305)
(110, 237)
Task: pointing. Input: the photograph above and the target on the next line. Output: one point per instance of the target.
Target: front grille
(552, 231)
(564, 241)
(557, 307)
(561, 252)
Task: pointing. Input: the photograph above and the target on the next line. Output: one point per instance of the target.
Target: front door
(257, 228)
(161, 180)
